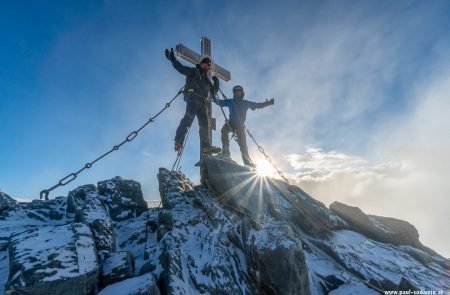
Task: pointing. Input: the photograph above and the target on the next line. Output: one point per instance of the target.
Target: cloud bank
(409, 177)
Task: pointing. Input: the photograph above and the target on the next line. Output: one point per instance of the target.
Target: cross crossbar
(194, 58)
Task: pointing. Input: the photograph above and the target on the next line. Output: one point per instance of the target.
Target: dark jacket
(198, 84)
(239, 107)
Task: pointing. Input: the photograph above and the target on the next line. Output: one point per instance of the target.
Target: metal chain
(254, 140)
(71, 177)
(233, 135)
(260, 148)
(176, 164)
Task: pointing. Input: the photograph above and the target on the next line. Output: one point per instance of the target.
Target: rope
(71, 177)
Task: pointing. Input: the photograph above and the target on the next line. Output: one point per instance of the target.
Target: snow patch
(4, 265)
(137, 285)
(354, 288)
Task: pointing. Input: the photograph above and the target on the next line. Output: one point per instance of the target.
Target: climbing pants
(195, 107)
(239, 130)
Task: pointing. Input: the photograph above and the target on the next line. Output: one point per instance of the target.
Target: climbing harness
(260, 148)
(176, 165)
(69, 178)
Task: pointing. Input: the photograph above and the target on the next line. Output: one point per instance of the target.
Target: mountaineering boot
(206, 152)
(210, 150)
(224, 155)
(178, 146)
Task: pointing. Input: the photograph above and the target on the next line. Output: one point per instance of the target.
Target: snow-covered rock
(194, 252)
(77, 198)
(142, 285)
(21, 216)
(6, 201)
(38, 210)
(52, 260)
(117, 267)
(383, 229)
(237, 234)
(123, 197)
(95, 214)
(240, 188)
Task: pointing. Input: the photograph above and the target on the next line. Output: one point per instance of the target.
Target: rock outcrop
(242, 189)
(123, 197)
(52, 260)
(142, 285)
(117, 267)
(237, 234)
(95, 214)
(383, 229)
(68, 245)
(6, 201)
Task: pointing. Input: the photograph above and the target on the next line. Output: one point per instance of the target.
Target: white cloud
(332, 175)
(317, 159)
(411, 183)
(403, 190)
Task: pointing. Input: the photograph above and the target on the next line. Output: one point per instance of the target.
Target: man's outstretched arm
(221, 102)
(170, 55)
(259, 105)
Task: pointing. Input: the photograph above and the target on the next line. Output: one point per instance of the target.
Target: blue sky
(360, 87)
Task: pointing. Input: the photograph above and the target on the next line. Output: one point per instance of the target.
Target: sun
(264, 168)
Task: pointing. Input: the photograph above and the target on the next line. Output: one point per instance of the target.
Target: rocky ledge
(236, 234)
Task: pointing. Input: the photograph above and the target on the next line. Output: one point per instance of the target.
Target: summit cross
(195, 58)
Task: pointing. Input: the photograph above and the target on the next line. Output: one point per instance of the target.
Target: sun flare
(264, 168)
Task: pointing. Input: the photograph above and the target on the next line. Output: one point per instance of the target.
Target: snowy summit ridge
(237, 234)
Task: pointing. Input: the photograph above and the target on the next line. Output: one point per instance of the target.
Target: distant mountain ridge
(237, 234)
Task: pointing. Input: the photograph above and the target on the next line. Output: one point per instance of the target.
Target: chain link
(260, 148)
(176, 165)
(233, 134)
(72, 176)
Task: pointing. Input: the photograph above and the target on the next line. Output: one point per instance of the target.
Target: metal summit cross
(195, 58)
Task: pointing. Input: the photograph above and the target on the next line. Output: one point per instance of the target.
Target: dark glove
(170, 55)
(216, 80)
(270, 102)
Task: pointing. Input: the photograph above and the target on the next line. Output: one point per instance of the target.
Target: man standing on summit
(238, 113)
(197, 91)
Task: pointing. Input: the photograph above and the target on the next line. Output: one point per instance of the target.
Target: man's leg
(225, 139)
(242, 141)
(186, 122)
(203, 124)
